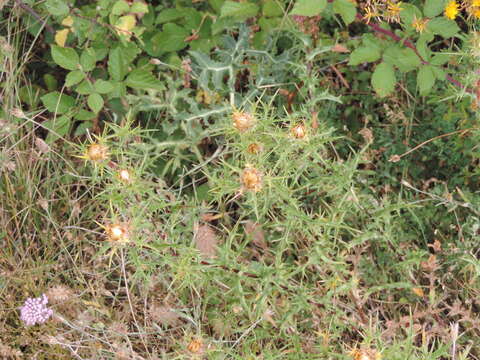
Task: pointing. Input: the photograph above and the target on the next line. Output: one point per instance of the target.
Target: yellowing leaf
(61, 37)
(68, 21)
(125, 24)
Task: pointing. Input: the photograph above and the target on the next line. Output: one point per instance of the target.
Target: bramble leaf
(383, 79)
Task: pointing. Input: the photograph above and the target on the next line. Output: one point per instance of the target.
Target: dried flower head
(451, 10)
(96, 152)
(59, 294)
(17, 112)
(254, 148)
(299, 131)
(365, 354)
(118, 232)
(35, 311)
(251, 179)
(195, 346)
(475, 44)
(125, 176)
(164, 315)
(243, 121)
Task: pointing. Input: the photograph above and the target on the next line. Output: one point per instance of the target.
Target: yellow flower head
(473, 8)
(451, 10)
(393, 11)
(419, 24)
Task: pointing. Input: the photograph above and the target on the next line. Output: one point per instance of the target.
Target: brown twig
(396, 158)
(339, 74)
(35, 15)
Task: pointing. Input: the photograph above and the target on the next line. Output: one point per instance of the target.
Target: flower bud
(299, 131)
(251, 179)
(97, 152)
(243, 121)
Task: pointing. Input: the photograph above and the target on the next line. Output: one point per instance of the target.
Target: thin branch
(396, 158)
(35, 15)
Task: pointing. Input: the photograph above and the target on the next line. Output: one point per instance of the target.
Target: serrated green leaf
(169, 15)
(103, 87)
(443, 27)
(433, 8)
(139, 8)
(239, 10)
(172, 38)
(403, 58)
(88, 59)
(440, 59)
(65, 57)
(142, 79)
(346, 9)
(117, 65)
(216, 5)
(425, 79)
(383, 79)
(59, 127)
(120, 7)
(308, 7)
(422, 44)
(95, 102)
(85, 88)
(364, 54)
(74, 77)
(57, 7)
(84, 115)
(409, 13)
(272, 8)
(440, 74)
(58, 103)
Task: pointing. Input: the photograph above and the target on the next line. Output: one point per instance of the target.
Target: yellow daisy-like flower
(473, 8)
(393, 11)
(451, 10)
(370, 13)
(419, 24)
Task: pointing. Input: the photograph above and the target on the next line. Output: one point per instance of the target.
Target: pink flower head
(35, 311)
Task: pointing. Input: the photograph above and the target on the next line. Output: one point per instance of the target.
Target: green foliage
(308, 7)
(366, 163)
